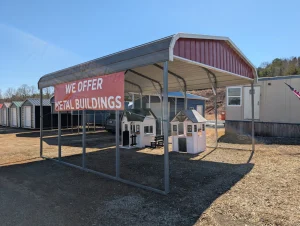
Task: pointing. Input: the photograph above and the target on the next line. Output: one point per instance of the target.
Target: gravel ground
(218, 187)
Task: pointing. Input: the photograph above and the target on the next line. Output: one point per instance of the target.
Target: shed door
(4, 117)
(247, 102)
(27, 117)
(14, 116)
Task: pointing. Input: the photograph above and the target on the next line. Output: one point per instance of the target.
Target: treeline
(23, 92)
(280, 67)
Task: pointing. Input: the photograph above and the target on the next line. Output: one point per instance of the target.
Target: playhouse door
(125, 138)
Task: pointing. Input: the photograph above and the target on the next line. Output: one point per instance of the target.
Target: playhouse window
(175, 128)
(203, 127)
(148, 129)
(234, 96)
(132, 128)
(189, 128)
(195, 128)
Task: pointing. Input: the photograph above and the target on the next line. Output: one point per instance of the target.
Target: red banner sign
(97, 93)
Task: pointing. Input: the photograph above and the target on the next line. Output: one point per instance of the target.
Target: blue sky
(39, 37)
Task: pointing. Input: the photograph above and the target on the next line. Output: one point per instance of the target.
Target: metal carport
(178, 62)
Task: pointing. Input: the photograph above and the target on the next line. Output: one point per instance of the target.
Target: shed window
(234, 96)
(148, 129)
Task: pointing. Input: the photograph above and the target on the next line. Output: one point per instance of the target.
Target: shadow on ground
(48, 193)
(233, 138)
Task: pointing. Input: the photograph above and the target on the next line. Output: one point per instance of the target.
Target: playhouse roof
(138, 115)
(191, 115)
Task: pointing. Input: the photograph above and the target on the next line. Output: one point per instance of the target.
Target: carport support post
(72, 120)
(95, 121)
(83, 138)
(166, 129)
(41, 122)
(59, 135)
(118, 144)
(252, 108)
(78, 122)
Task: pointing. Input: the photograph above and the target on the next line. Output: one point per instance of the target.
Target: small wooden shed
(30, 113)
(15, 113)
(5, 114)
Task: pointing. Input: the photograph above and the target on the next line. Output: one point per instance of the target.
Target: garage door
(27, 117)
(14, 116)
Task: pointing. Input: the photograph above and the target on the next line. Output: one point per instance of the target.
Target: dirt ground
(223, 186)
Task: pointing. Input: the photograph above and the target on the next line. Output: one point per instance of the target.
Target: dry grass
(217, 187)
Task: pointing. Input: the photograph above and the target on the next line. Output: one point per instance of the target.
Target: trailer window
(234, 96)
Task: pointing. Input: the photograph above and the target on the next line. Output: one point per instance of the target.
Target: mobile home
(15, 113)
(30, 113)
(276, 107)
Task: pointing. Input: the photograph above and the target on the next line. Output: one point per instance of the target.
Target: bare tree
(23, 92)
(10, 93)
(49, 91)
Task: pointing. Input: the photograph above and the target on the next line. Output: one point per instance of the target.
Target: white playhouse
(193, 139)
(138, 128)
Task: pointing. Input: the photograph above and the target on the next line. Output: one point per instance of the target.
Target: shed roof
(17, 103)
(189, 57)
(37, 102)
(6, 104)
(191, 115)
(138, 115)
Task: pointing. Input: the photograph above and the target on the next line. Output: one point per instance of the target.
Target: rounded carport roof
(190, 58)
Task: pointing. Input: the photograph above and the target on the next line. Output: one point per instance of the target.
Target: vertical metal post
(166, 129)
(216, 114)
(162, 114)
(132, 100)
(51, 120)
(150, 101)
(67, 120)
(117, 144)
(41, 122)
(175, 106)
(78, 122)
(59, 135)
(252, 106)
(83, 138)
(89, 122)
(141, 101)
(185, 100)
(72, 115)
(95, 121)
